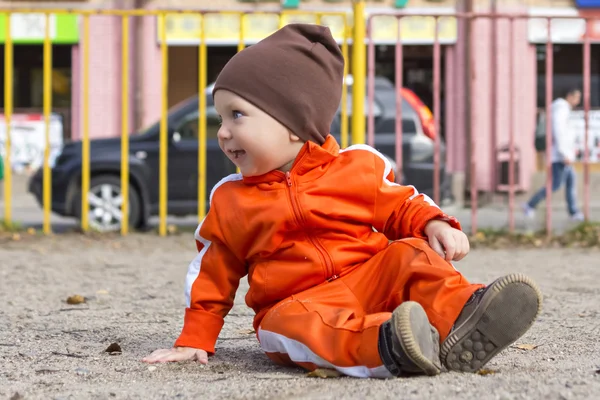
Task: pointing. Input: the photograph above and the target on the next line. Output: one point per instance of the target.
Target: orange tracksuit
(315, 243)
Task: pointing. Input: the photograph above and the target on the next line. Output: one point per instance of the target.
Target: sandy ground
(134, 289)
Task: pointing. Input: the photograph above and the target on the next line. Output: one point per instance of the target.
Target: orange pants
(336, 324)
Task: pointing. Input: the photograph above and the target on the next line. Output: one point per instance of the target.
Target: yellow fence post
(344, 115)
(162, 181)
(85, 145)
(47, 186)
(241, 42)
(202, 122)
(359, 72)
(241, 46)
(125, 125)
(8, 103)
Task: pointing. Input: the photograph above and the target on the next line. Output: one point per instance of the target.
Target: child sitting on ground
(347, 269)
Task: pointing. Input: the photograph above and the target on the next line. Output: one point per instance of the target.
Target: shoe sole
(506, 311)
(419, 340)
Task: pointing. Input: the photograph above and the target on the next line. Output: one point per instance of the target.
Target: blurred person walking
(563, 155)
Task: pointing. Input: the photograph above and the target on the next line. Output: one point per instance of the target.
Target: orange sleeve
(401, 211)
(212, 280)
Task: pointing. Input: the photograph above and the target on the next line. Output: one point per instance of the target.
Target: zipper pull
(288, 178)
(333, 278)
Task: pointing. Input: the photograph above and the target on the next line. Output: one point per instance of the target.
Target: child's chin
(252, 172)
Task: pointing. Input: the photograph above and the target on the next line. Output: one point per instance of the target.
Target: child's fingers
(462, 246)
(175, 356)
(202, 357)
(437, 246)
(450, 247)
(156, 355)
(171, 355)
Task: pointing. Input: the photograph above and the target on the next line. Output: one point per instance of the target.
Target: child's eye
(236, 114)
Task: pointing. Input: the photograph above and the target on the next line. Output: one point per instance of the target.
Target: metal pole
(370, 85)
(549, 74)
(8, 106)
(472, 115)
(399, 83)
(344, 121)
(125, 125)
(202, 115)
(493, 97)
(47, 176)
(436, 112)
(359, 73)
(511, 127)
(162, 167)
(85, 144)
(586, 112)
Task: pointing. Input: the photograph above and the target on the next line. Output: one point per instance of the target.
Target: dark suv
(105, 193)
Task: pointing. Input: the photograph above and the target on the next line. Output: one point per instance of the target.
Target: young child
(311, 225)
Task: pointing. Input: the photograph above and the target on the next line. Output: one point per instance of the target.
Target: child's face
(255, 142)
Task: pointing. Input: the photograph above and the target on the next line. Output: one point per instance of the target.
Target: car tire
(104, 194)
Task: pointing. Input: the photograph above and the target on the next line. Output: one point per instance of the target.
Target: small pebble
(82, 371)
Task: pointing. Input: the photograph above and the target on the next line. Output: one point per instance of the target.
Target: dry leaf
(102, 291)
(526, 346)
(172, 229)
(46, 371)
(324, 373)
(484, 372)
(31, 231)
(247, 332)
(16, 237)
(114, 349)
(76, 299)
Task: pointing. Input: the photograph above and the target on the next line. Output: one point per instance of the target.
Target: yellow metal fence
(358, 118)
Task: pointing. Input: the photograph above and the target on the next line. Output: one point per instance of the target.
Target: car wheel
(105, 203)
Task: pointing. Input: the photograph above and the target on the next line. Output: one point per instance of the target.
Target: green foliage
(12, 227)
(584, 235)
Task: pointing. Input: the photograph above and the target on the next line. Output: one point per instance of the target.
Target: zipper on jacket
(329, 266)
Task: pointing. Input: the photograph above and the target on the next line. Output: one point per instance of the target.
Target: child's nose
(223, 133)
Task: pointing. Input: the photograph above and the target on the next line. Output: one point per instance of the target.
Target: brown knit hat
(294, 75)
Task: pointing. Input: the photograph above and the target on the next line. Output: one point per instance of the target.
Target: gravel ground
(134, 297)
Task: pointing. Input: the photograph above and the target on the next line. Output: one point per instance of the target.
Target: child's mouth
(237, 153)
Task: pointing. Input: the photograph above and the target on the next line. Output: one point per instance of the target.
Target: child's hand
(448, 242)
(177, 354)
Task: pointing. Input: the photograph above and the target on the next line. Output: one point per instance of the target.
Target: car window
(188, 127)
(389, 126)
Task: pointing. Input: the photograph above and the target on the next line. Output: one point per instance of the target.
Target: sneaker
(578, 217)
(528, 211)
(408, 344)
(492, 319)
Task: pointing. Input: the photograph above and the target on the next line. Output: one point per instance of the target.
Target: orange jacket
(291, 231)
